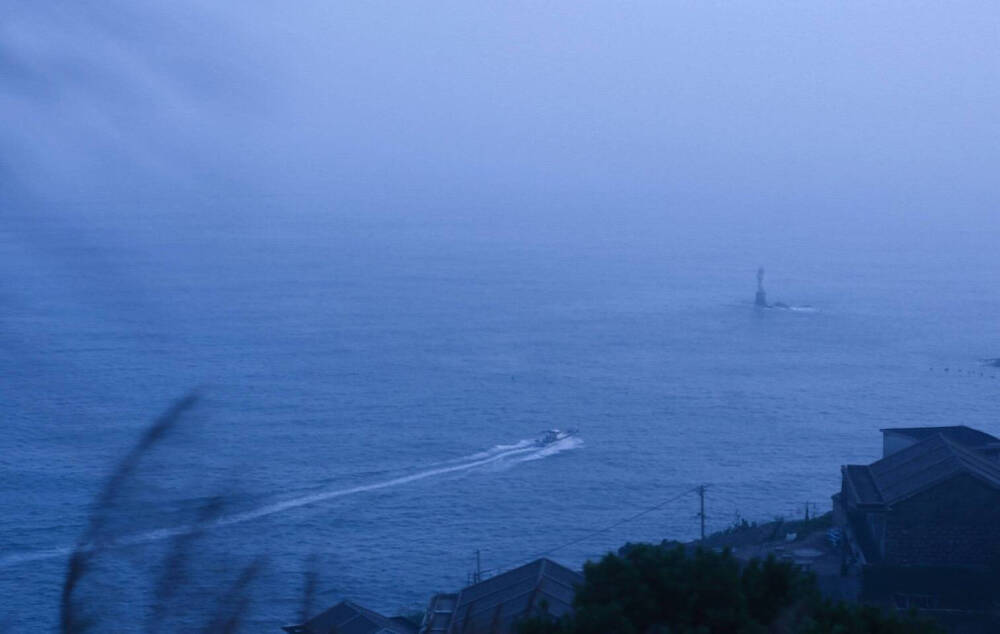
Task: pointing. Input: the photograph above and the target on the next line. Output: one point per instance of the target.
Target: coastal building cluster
(917, 529)
(496, 604)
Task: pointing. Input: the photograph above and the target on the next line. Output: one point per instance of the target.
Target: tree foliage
(660, 589)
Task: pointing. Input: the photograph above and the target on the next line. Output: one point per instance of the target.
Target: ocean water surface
(369, 388)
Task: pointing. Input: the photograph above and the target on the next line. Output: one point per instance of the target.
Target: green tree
(660, 589)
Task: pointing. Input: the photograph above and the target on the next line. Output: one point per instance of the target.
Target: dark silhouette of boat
(551, 436)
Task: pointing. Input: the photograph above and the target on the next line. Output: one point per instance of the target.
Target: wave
(522, 451)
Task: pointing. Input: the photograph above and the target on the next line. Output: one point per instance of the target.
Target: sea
(369, 385)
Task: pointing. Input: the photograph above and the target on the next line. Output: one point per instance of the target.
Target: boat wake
(791, 308)
(523, 451)
(494, 451)
(551, 449)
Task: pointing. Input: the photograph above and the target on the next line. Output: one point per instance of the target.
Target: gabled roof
(350, 618)
(919, 466)
(958, 433)
(496, 604)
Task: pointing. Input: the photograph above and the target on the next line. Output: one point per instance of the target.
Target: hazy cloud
(827, 107)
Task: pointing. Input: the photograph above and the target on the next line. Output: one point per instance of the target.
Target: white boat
(551, 436)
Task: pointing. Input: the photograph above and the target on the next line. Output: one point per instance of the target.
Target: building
(350, 618)
(898, 438)
(923, 522)
(930, 500)
(496, 605)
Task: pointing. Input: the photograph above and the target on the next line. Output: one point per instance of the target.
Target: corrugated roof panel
(556, 592)
(495, 604)
(919, 466)
(360, 625)
(349, 618)
(563, 575)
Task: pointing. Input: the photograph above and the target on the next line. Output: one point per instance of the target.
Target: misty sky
(829, 109)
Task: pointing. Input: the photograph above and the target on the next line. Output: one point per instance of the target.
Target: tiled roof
(350, 618)
(494, 606)
(911, 470)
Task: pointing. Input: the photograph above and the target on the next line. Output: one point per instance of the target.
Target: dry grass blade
(71, 620)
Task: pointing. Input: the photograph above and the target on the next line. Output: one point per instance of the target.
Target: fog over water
(389, 243)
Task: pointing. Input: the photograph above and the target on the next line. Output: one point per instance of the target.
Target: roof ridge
(489, 579)
(910, 454)
(521, 584)
(958, 458)
(924, 485)
(975, 437)
(926, 427)
(499, 589)
(371, 615)
(978, 461)
(897, 463)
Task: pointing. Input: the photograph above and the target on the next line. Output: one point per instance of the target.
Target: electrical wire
(607, 528)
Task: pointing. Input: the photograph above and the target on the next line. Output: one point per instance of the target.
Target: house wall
(954, 523)
(839, 514)
(893, 442)
(876, 525)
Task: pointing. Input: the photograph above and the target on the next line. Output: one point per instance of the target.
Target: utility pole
(807, 511)
(701, 513)
(479, 567)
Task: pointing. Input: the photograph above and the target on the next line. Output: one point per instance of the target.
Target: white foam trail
(491, 452)
(524, 450)
(38, 555)
(550, 450)
(329, 495)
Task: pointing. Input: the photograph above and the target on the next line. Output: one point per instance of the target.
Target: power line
(609, 527)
